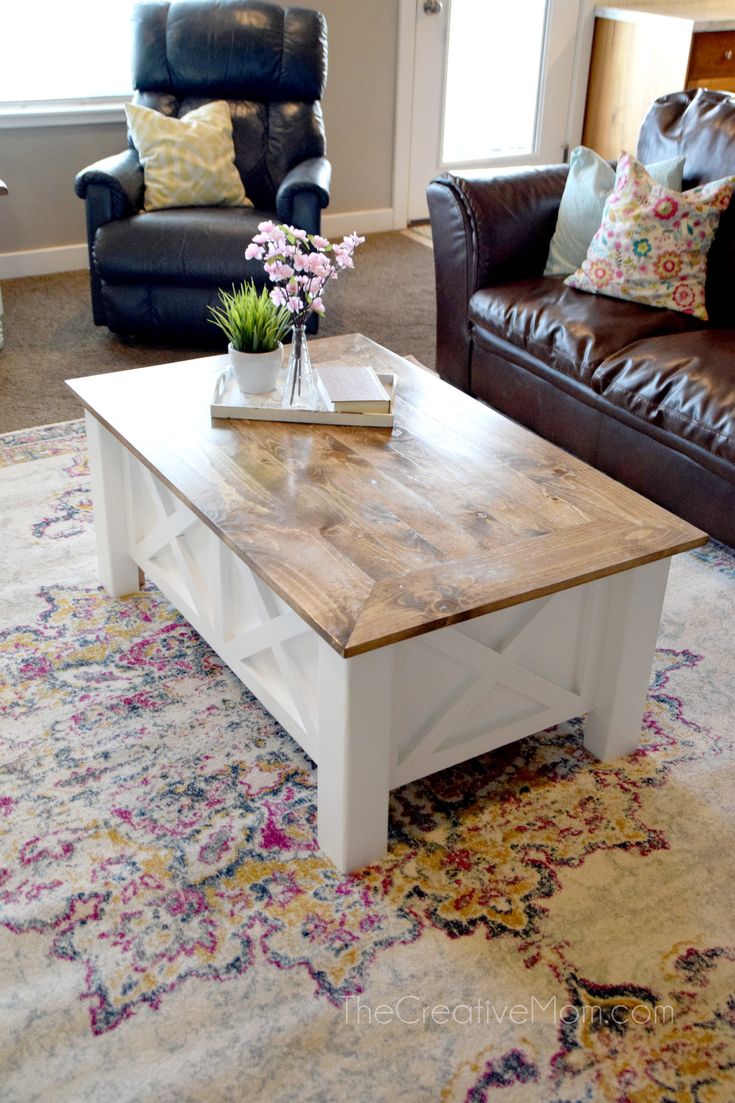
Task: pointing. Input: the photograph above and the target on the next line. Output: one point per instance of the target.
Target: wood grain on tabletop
(374, 535)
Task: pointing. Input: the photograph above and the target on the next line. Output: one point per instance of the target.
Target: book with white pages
(351, 388)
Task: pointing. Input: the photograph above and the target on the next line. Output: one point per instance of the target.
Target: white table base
(378, 720)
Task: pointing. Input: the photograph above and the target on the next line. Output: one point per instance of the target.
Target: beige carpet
(420, 232)
(50, 335)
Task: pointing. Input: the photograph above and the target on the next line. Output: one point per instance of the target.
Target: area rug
(545, 928)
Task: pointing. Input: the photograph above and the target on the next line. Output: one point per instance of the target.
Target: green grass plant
(250, 319)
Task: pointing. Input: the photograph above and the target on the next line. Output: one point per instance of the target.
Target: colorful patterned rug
(546, 928)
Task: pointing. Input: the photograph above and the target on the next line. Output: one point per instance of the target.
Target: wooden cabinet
(712, 61)
(638, 55)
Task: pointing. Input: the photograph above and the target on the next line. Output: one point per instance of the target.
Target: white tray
(229, 401)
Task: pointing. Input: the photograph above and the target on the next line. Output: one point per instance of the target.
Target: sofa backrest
(268, 62)
(700, 124)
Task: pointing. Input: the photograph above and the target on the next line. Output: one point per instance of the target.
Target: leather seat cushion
(682, 383)
(568, 329)
(190, 246)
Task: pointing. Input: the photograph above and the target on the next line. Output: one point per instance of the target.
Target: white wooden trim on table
(355, 741)
(118, 572)
(400, 712)
(612, 728)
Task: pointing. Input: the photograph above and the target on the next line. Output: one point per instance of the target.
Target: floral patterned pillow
(652, 243)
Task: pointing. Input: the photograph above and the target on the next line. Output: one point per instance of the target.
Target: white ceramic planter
(255, 372)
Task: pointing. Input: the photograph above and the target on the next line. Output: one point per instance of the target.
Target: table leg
(118, 572)
(355, 727)
(613, 725)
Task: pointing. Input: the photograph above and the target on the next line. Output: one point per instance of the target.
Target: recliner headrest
(233, 49)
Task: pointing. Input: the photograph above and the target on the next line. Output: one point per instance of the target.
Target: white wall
(42, 221)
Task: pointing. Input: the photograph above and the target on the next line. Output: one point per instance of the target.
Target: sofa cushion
(653, 242)
(190, 246)
(565, 328)
(683, 383)
(589, 184)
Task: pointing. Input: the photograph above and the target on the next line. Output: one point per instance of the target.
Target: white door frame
(405, 61)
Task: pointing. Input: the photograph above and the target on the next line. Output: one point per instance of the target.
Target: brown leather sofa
(646, 395)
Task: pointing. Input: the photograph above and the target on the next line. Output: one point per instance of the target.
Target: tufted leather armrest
(112, 188)
(122, 176)
(304, 191)
(486, 232)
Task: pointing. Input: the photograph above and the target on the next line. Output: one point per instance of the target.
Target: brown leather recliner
(646, 395)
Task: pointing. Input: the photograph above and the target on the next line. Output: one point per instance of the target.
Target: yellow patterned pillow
(187, 162)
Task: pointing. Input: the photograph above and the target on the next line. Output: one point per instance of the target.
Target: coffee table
(401, 600)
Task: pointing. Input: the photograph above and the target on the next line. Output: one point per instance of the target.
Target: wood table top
(377, 535)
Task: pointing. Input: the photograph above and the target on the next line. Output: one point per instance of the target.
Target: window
(65, 53)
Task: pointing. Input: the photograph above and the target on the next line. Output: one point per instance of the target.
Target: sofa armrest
(486, 232)
(303, 193)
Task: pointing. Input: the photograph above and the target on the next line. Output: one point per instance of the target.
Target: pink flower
(668, 265)
(599, 273)
(277, 270)
(304, 264)
(684, 296)
(317, 264)
(665, 208)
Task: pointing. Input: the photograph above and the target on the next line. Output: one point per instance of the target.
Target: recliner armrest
(111, 189)
(122, 176)
(486, 231)
(303, 193)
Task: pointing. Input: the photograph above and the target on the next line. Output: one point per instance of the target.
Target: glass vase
(300, 390)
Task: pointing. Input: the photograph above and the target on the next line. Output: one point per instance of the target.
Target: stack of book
(351, 389)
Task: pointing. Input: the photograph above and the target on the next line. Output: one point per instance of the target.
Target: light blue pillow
(589, 183)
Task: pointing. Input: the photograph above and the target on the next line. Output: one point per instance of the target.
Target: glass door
(492, 86)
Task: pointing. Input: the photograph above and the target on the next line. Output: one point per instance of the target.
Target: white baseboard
(43, 262)
(71, 258)
(375, 221)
